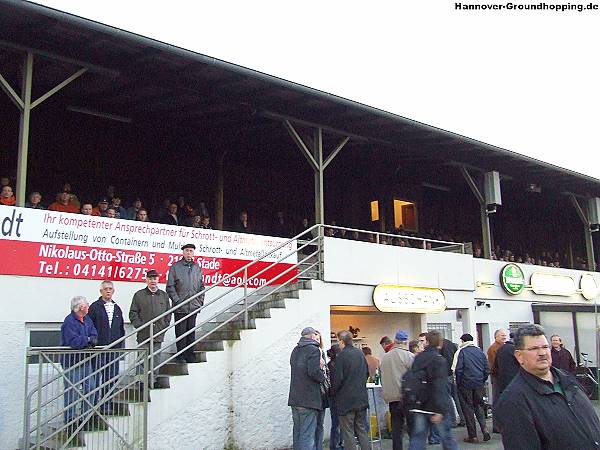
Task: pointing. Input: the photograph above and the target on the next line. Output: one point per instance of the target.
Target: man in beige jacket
(394, 365)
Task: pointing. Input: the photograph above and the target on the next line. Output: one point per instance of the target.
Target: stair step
(59, 440)
(210, 346)
(260, 314)
(174, 369)
(119, 410)
(233, 325)
(220, 335)
(131, 394)
(95, 424)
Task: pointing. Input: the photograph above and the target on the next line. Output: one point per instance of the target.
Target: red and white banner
(61, 245)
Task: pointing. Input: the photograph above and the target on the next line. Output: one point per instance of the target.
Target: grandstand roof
(140, 78)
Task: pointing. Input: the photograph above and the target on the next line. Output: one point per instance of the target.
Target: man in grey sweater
(185, 281)
(147, 304)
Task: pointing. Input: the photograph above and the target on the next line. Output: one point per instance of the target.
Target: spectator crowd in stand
(183, 213)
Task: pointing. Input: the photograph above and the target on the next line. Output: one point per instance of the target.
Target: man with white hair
(78, 332)
(108, 321)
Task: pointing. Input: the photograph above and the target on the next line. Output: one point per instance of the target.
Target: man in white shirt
(108, 320)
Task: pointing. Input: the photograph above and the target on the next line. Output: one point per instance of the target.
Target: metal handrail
(207, 289)
(396, 236)
(244, 268)
(93, 399)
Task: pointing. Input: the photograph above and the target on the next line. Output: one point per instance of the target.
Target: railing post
(39, 402)
(320, 242)
(246, 298)
(424, 244)
(145, 407)
(26, 418)
(151, 356)
(377, 238)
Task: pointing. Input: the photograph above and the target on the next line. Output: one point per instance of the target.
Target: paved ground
(460, 433)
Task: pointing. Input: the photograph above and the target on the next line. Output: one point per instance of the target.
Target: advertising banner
(60, 245)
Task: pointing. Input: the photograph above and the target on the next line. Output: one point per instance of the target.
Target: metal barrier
(69, 397)
(92, 398)
(398, 240)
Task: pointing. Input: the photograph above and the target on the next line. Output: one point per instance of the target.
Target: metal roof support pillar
(314, 155)
(486, 234)
(589, 243)
(319, 188)
(25, 106)
(24, 130)
(220, 194)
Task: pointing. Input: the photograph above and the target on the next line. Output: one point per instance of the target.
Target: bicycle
(586, 378)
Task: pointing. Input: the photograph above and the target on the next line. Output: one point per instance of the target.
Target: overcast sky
(527, 81)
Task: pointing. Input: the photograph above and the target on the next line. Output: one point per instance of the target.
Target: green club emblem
(512, 279)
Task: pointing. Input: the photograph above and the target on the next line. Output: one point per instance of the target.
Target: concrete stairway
(214, 335)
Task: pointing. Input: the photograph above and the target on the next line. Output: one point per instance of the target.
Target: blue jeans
(305, 427)
(77, 396)
(319, 430)
(335, 439)
(433, 436)
(418, 435)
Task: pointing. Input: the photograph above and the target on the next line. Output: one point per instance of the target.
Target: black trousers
(399, 415)
(471, 401)
(180, 329)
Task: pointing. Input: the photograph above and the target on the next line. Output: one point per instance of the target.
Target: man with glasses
(544, 407)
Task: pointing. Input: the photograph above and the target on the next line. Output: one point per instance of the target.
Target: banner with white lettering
(62, 245)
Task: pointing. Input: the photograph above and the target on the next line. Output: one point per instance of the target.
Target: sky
(527, 81)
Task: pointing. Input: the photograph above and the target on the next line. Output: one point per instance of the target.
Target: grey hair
(498, 331)
(77, 301)
(106, 282)
(346, 337)
(527, 330)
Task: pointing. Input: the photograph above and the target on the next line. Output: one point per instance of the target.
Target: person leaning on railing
(147, 304)
(78, 332)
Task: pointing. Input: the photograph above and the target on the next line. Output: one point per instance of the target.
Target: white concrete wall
(32, 301)
(241, 393)
(357, 262)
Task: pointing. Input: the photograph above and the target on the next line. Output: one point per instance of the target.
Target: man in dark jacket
(561, 357)
(507, 365)
(78, 333)
(146, 305)
(471, 373)
(544, 408)
(305, 392)
(108, 320)
(436, 405)
(183, 282)
(350, 387)
(448, 350)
